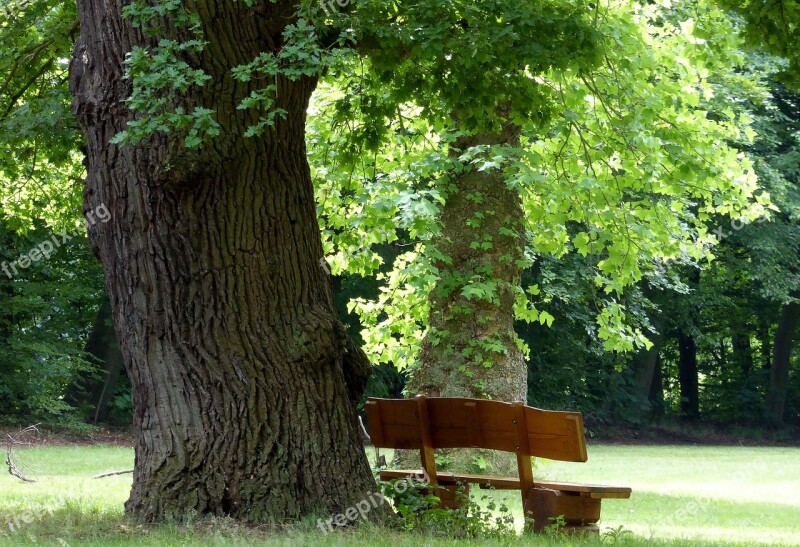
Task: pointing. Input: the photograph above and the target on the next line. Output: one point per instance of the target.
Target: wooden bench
(430, 423)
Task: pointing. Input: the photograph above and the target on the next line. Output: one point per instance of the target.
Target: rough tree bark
(459, 323)
(452, 363)
(779, 373)
(244, 380)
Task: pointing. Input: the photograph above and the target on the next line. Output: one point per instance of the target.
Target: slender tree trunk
(7, 320)
(766, 342)
(742, 352)
(91, 391)
(657, 392)
(243, 378)
(687, 376)
(779, 374)
(471, 350)
(644, 365)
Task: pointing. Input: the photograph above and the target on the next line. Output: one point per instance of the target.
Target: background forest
(634, 330)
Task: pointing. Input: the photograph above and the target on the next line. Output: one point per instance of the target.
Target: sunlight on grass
(696, 495)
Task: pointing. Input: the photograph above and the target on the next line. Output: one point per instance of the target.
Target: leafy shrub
(417, 506)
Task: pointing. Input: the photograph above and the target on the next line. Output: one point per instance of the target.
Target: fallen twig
(113, 473)
(13, 468)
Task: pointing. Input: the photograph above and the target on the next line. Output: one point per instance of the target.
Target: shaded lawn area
(683, 495)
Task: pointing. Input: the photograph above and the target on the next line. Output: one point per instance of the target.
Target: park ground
(682, 495)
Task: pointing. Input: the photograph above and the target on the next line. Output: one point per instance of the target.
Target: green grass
(682, 496)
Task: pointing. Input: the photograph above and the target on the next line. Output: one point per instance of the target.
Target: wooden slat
(398, 411)
(374, 423)
(426, 450)
(468, 423)
(593, 490)
(512, 483)
(556, 435)
(473, 423)
(456, 422)
(393, 423)
(524, 470)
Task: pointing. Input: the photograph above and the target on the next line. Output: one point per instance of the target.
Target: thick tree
(244, 380)
(593, 171)
(470, 349)
(481, 102)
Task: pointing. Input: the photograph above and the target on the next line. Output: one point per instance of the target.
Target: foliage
(46, 311)
(40, 164)
(772, 25)
(416, 504)
(642, 131)
(627, 174)
(45, 317)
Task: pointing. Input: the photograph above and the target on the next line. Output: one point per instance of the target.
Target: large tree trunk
(244, 380)
(687, 376)
(779, 374)
(457, 359)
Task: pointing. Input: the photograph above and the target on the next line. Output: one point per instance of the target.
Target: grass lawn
(683, 495)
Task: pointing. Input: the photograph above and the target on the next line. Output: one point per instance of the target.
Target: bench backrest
(475, 423)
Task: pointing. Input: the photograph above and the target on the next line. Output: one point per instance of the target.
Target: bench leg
(544, 506)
